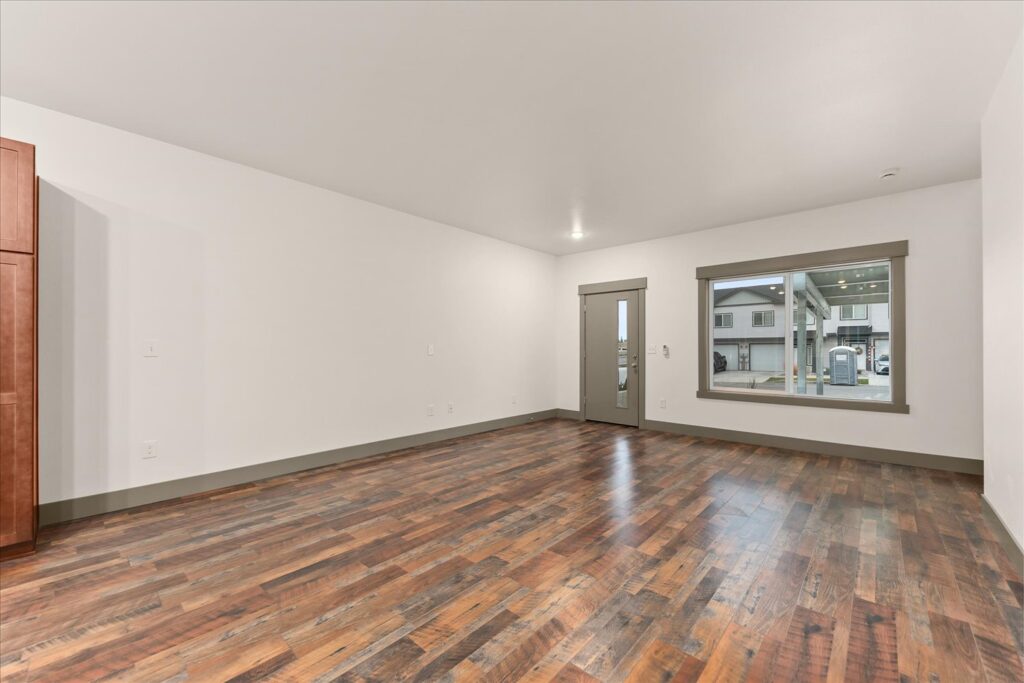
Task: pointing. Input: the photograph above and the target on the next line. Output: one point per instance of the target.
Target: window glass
(622, 398)
(748, 353)
(841, 355)
(837, 344)
(853, 312)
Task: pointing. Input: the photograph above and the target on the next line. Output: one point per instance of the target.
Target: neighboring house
(750, 330)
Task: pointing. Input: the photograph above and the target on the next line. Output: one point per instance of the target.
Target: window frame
(894, 252)
(723, 327)
(853, 313)
(763, 313)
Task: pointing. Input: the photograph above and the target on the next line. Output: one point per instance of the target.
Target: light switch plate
(652, 348)
(151, 349)
(430, 349)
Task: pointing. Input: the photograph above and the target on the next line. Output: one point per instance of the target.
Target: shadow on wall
(111, 278)
(73, 323)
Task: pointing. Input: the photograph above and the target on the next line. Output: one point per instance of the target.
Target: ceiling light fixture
(888, 173)
(843, 287)
(842, 282)
(874, 285)
(577, 235)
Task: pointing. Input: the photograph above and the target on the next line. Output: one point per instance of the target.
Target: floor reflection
(620, 479)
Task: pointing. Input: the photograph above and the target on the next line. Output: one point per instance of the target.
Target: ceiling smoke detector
(888, 173)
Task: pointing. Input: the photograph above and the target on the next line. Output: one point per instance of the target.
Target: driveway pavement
(876, 389)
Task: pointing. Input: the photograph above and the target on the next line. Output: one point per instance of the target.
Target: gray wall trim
(896, 252)
(614, 286)
(76, 508)
(703, 336)
(898, 331)
(583, 357)
(806, 401)
(1003, 535)
(893, 457)
(566, 414)
(642, 357)
(812, 259)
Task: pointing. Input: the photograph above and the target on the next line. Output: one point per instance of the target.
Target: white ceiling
(514, 120)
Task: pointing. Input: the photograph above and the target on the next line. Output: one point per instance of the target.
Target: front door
(611, 358)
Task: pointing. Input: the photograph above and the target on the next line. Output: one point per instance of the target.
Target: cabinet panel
(17, 399)
(17, 196)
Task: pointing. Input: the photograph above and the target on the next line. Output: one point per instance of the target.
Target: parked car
(882, 364)
(720, 362)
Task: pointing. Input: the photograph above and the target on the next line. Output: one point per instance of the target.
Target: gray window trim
(815, 259)
(895, 252)
(724, 327)
(753, 318)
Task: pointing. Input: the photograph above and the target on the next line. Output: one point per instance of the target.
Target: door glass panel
(622, 365)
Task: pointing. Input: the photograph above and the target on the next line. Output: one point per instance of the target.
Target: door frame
(639, 285)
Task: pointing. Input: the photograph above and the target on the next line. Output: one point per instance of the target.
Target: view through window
(817, 332)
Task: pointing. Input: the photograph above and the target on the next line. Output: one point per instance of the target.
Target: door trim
(639, 285)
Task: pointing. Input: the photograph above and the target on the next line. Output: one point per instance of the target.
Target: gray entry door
(611, 358)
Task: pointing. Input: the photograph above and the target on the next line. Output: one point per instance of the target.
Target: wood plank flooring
(552, 551)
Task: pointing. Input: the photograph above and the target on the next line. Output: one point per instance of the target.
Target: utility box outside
(842, 364)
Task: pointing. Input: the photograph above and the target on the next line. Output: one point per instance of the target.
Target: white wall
(1002, 143)
(943, 225)
(291, 319)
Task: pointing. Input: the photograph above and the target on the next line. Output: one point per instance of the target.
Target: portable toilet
(842, 363)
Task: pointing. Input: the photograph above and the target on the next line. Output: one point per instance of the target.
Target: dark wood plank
(557, 550)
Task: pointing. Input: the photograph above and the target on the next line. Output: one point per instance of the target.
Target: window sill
(807, 401)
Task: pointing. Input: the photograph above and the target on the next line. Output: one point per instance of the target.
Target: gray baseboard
(87, 506)
(893, 457)
(1003, 535)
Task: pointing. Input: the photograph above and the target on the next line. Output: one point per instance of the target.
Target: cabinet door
(17, 196)
(17, 398)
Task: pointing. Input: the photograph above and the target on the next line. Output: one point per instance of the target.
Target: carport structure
(816, 292)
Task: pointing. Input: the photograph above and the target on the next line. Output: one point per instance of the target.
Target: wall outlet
(148, 450)
(652, 348)
(451, 407)
(515, 399)
(151, 349)
(430, 410)
(663, 404)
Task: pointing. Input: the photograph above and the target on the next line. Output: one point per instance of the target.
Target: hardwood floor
(552, 551)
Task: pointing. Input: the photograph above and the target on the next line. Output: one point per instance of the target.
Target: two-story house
(749, 329)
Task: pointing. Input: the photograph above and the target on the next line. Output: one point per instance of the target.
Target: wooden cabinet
(18, 462)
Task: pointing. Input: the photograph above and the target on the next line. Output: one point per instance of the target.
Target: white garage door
(731, 353)
(767, 357)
